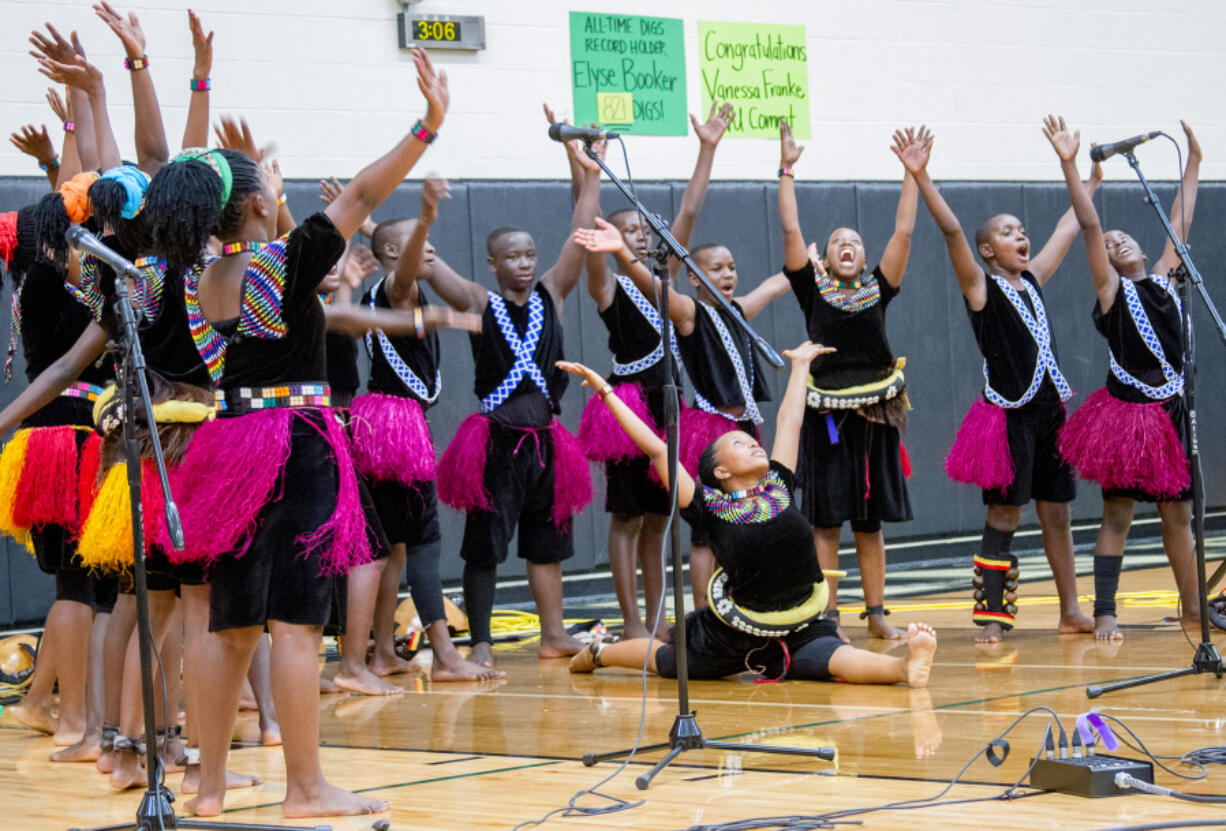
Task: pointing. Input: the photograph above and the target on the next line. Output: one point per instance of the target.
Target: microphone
(1106, 151)
(83, 240)
(567, 132)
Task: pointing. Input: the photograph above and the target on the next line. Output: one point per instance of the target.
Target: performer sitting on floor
(1130, 436)
(768, 602)
(1007, 443)
(721, 362)
(854, 466)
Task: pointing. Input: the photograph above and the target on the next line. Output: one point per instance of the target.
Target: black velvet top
(771, 561)
(710, 368)
(1117, 326)
(1008, 346)
(631, 338)
(52, 319)
(421, 355)
(857, 332)
(527, 405)
(300, 354)
(342, 352)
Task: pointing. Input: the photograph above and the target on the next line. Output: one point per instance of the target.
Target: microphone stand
(1206, 658)
(685, 733)
(154, 812)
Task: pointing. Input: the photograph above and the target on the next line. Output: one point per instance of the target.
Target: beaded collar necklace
(239, 247)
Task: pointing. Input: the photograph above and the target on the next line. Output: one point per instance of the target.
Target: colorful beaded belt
(80, 389)
(252, 399)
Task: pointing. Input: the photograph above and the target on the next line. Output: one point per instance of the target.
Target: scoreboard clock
(441, 31)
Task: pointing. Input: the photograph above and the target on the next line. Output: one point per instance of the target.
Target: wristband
(419, 323)
(70, 126)
(281, 199)
(201, 86)
(422, 133)
(136, 63)
(601, 393)
(54, 164)
(786, 171)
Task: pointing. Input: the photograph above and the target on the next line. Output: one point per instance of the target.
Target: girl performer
(271, 502)
(1007, 443)
(768, 601)
(855, 466)
(1129, 436)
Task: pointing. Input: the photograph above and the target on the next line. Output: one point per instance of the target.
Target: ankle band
(1106, 584)
(995, 585)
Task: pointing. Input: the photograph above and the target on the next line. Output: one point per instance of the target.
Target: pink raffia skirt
(232, 472)
(1122, 445)
(461, 470)
(600, 433)
(391, 439)
(980, 454)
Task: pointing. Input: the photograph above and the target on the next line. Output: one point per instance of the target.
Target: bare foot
(921, 647)
(383, 666)
(1075, 624)
(585, 659)
(326, 686)
(36, 718)
(246, 700)
(633, 629)
(878, 628)
(365, 683)
(1106, 630)
(559, 647)
(330, 801)
(204, 806)
(992, 633)
(1190, 621)
(483, 654)
(191, 781)
(89, 749)
(925, 731)
(127, 772)
(65, 737)
(270, 730)
(174, 758)
(106, 762)
(455, 668)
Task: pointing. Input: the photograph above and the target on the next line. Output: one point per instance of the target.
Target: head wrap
(134, 182)
(8, 236)
(76, 196)
(217, 162)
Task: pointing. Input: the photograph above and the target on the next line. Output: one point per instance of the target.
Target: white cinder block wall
(325, 81)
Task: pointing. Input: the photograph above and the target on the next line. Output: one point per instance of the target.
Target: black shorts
(1039, 471)
(857, 477)
(275, 579)
(380, 547)
(715, 650)
(631, 491)
(409, 515)
(106, 592)
(55, 550)
(519, 478)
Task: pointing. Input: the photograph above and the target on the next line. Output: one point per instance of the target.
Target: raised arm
(196, 130)
(37, 144)
(791, 413)
(1106, 280)
(329, 189)
(375, 182)
(1044, 264)
(771, 288)
(53, 48)
(461, 294)
(1184, 204)
(709, 133)
(151, 148)
(236, 135)
(70, 162)
(606, 239)
(644, 436)
(564, 276)
(82, 75)
(401, 286)
(795, 254)
(898, 249)
(914, 155)
(576, 171)
(357, 320)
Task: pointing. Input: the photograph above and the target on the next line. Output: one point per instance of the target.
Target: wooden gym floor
(453, 756)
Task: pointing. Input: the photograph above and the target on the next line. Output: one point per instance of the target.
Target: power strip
(1092, 776)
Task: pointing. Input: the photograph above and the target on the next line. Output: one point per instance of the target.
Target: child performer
(721, 362)
(1007, 444)
(393, 448)
(513, 464)
(855, 466)
(272, 503)
(637, 503)
(1129, 436)
(769, 599)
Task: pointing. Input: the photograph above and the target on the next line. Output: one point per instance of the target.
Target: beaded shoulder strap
(148, 290)
(652, 315)
(209, 342)
(1044, 365)
(1140, 319)
(88, 293)
(523, 349)
(263, 291)
(744, 378)
(403, 371)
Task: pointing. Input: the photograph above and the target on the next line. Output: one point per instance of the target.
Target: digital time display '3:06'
(441, 31)
(437, 30)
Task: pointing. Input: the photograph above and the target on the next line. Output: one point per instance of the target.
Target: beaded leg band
(869, 611)
(109, 732)
(995, 585)
(123, 743)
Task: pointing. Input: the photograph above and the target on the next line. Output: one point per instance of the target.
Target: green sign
(762, 70)
(628, 73)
